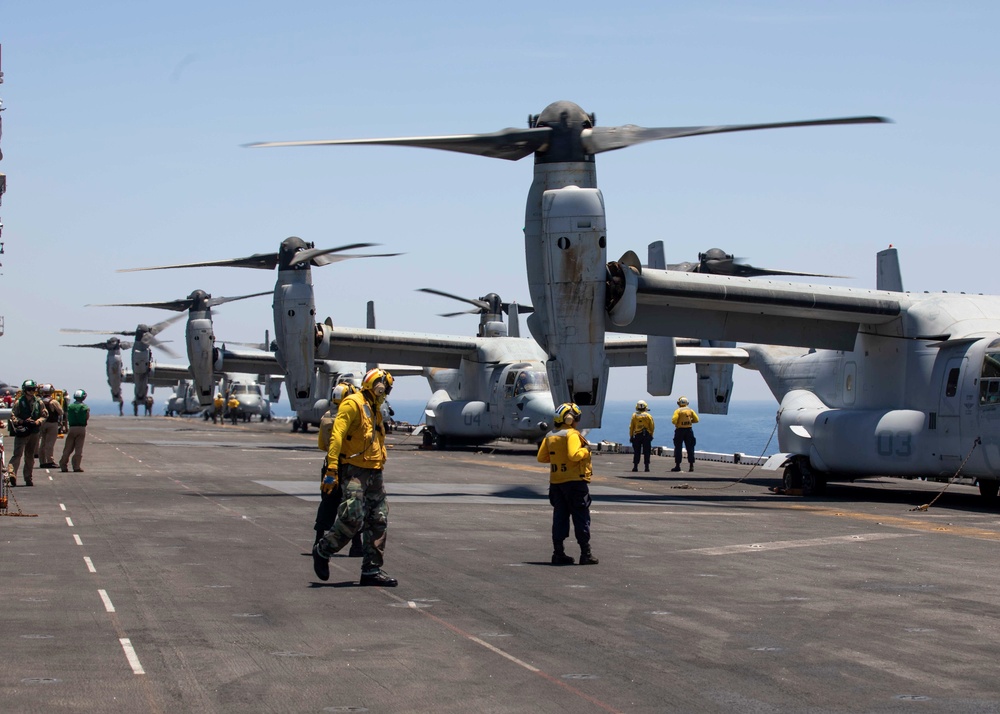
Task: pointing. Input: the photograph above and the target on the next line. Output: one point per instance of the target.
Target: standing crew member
(50, 427)
(640, 433)
(326, 514)
(568, 457)
(684, 419)
(234, 408)
(359, 437)
(26, 416)
(217, 406)
(77, 415)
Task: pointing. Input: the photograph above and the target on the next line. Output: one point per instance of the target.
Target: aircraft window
(531, 382)
(989, 391)
(952, 387)
(991, 365)
(239, 389)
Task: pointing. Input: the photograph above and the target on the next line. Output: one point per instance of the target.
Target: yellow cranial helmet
(342, 391)
(682, 402)
(567, 413)
(375, 376)
(641, 406)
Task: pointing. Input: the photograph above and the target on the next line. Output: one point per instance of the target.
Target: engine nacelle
(323, 332)
(570, 324)
(459, 419)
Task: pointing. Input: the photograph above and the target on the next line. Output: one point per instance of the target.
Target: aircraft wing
(251, 362)
(161, 375)
(734, 309)
(405, 348)
(632, 353)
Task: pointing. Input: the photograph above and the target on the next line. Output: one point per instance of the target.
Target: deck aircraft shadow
(344, 584)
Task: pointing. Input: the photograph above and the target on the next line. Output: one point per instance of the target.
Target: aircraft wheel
(989, 490)
(295, 426)
(813, 483)
(792, 477)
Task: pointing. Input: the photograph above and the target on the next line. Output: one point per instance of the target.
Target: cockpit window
(531, 382)
(989, 384)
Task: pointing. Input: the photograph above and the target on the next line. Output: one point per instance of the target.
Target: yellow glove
(329, 481)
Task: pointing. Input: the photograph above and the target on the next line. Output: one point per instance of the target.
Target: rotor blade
(511, 144)
(160, 345)
(310, 253)
(456, 314)
(160, 326)
(97, 332)
(521, 309)
(609, 138)
(176, 305)
(261, 261)
(329, 259)
(212, 302)
(749, 271)
(96, 345)
(481, 304)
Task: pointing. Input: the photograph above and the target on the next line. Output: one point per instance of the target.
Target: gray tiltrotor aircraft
(200, 334)
(142, 356)
(574, 290)
(298, 337)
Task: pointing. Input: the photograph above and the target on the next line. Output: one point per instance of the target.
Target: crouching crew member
(568, 457)
(358, 435)
(684, 419)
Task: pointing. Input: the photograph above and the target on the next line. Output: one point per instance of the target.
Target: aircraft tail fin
(887, 273)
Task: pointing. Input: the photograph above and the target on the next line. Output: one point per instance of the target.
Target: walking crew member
(684, 419)
(326, 515)
(26, 416)
(640, 433)
(568, 457)
(77, 415)
(358, 435)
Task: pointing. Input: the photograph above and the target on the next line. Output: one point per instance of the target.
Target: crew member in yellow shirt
(568, 456)
(640, 433)
(684, 418)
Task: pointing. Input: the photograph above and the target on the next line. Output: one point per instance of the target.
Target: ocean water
(746, 429)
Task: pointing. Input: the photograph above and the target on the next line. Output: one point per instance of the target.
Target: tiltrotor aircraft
(576, 293)
(142, 357)
(492, 385)
(115, 367)
(200, 333)
(297, 335)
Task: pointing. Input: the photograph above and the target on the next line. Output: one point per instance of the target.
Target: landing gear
(800, 476)
(299, 425)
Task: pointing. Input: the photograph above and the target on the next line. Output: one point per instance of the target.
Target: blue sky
(124, 121)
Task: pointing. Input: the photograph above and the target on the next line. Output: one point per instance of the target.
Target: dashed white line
(77, 539)
(107, 601)
(62, 506)
(130, 655)
(90, 564)
(69, 521)
(780, 544)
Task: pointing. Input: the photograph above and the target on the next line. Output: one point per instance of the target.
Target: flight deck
(174, 575)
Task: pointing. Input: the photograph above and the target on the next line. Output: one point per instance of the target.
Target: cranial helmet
(567, 413)
(373, 377)
(28, 384)
(79, 395)
(641, 406)
(45, 390)
(341, 392)
(682, 402)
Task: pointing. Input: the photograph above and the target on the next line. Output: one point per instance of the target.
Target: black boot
(321, 564)
(559, 557)
(586, 557)
(636, 468)
(647, 468)
(378, 578)
(690, 466)
(676, 468)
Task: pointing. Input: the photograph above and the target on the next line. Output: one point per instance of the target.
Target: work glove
(329, 481)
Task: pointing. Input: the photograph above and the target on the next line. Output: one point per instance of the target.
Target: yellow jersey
(567, 455)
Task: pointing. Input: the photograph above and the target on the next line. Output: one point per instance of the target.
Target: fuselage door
(950, 408)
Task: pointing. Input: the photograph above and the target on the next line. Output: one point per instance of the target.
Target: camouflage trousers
(364, 509)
